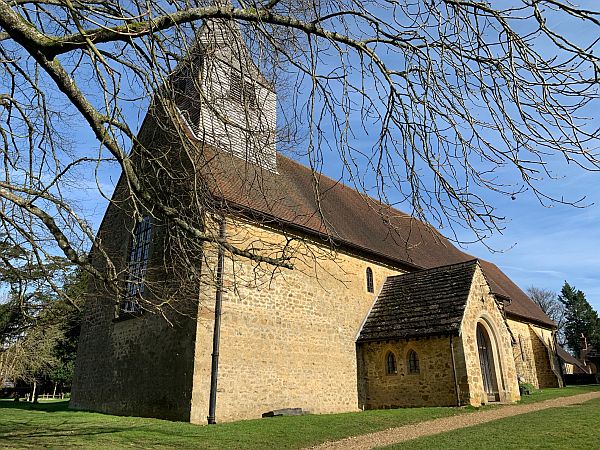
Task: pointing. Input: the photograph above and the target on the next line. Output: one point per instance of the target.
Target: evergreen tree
(40, 316)
(580, 319)
(65, 350)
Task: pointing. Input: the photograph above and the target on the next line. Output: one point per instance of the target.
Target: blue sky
(540, 246)
(544, 247)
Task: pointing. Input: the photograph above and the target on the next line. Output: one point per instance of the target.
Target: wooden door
(486, 360)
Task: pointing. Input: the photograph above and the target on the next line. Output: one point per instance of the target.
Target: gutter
(244, 210)
(538, 322)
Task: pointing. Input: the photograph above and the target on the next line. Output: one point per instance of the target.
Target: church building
(381, 311)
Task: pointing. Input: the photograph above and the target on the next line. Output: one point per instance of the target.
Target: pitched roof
(569, 359)
(520, 304)
(424, 303)
(336, 211)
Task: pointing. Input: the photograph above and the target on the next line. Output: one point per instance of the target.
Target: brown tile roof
(340, 211)
(349, 218)
(520, 304)
(424, 303)
(569, 359)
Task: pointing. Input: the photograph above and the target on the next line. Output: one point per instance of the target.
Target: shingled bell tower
(227, 103)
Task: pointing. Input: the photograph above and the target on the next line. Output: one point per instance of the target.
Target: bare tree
(457, 97)
(552, 306)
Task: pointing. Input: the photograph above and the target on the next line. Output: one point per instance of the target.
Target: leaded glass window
(390, 363)
(413, 362)
(137, 265)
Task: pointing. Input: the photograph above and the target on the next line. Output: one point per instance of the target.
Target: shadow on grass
(20, 430)
(52, 406)
(90, 430)
(25, 425)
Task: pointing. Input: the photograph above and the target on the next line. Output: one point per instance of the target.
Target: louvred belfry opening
(229, 104)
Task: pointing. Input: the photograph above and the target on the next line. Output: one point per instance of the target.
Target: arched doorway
(486, 361)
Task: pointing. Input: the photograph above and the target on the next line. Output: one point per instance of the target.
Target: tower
(223, 97)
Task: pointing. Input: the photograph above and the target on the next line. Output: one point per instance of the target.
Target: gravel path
(408, 432)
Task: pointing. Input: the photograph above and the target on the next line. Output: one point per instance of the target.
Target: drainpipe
(456, 390)
(214, 370)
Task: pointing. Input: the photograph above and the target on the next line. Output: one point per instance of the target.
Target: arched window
(370, 287)
(413, 362)
(390, 364)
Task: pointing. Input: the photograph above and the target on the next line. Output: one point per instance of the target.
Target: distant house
(395, 316)
(571, 365)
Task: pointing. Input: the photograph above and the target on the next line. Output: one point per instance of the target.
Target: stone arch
(411, 348)
(391, 363)
(491, 333)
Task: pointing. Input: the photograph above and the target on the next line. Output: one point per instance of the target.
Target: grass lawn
(573, 427)
(548, 394)
(52, 425)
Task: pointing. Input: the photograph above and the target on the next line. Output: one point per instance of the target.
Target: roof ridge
(436, 269)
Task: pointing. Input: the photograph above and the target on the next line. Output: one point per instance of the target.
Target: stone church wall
(434, 385)
(287, 336)
(287, 340)
(531, 356)
(483, 309)
(139, 366)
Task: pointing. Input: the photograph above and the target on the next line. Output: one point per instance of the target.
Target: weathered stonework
(483, 310)
(433, 385)
(286, 341)
(288, 337)
(531, 355)
(133, 366)
(453, 375)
